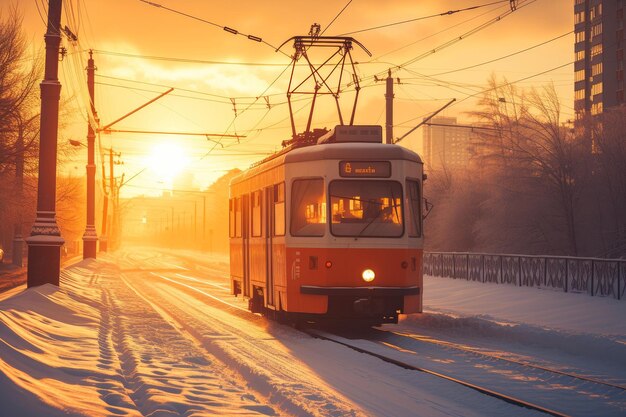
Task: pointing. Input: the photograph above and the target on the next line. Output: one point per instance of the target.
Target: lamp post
(45, 241)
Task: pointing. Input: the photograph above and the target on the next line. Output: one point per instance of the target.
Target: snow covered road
(148, 333)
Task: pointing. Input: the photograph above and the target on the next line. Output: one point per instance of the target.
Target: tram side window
(279, 209)
(231, 219)
(256, 213)
(238, 217)
(308, 207)
(413, 203)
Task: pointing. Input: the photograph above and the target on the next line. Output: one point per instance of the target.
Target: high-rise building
(599, 48)
(446, 145)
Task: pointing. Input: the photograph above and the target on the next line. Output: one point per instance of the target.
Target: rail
(592, 276)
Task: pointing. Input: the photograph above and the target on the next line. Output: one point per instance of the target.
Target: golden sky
(212, 67)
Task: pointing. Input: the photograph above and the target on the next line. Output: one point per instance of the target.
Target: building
(599, 62)
(445, 145)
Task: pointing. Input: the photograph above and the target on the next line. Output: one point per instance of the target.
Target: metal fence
(593, 276)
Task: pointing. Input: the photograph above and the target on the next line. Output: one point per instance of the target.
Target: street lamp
(74, 142)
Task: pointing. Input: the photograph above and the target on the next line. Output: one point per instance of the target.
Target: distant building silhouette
(445, 145)
(599, 49)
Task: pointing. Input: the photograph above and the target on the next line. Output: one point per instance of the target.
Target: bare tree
(609, 176)
(18, 93)
(19, 125)
(533, 161)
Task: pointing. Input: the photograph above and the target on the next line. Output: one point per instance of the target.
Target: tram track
(326, 336)
(215, 292)
(483, 390)
(458, 347)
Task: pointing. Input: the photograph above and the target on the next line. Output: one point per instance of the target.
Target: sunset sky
(210, 68)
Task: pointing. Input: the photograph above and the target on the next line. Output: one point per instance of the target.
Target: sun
(166, 161)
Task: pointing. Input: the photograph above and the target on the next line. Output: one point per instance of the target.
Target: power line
(447, 13)
(335, 18)
(434, 34)
(226, 98)
(454, 40)
(246, 109)
(517, 81)
(228, 102)
(505, 56)
(225, 28)
(496, 87)
(186, 60)
(199, 61)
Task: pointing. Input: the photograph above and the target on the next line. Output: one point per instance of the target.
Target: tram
(330, 229)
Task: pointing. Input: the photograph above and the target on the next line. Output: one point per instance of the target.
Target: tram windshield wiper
(380, 211)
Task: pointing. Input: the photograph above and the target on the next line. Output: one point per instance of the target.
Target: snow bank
(49, 361)
(569, 312)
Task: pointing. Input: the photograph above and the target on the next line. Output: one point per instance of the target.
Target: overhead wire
(42, 14)
(79, 80)
(516, 81)
(247, 108)
(254, 102)
(458, 38)
(226, 98)
(505, 56)
(225, 28)
(335, 18)
(446, 13)
(449, 43)
(377, 59)
(171, 94)
(187, 60)
(496, 87)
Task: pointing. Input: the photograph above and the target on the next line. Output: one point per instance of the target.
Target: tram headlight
(368, 275)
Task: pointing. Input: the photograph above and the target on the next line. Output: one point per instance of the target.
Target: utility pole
(104, 239)
(389, 114)
(105, 205)
(45, 241)
(202, 247)
(111, 194)
(388, 106)
(90, 238)
(110, 242)
(115, 228)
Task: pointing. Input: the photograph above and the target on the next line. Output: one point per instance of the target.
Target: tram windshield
(366, 208)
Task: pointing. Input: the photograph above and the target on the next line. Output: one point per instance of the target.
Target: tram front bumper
(360, 291)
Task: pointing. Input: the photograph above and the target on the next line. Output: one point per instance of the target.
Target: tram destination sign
(370, 169)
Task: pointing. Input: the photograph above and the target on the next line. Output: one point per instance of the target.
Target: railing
(593, 276)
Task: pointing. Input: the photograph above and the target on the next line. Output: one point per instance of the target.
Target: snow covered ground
(133, 334)
(545, 308)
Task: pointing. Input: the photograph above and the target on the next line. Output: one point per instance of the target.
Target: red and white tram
(330, 229)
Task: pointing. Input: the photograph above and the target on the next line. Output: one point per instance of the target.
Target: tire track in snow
(275, 377)
(250, 404)
(109, 392)
(164, 374)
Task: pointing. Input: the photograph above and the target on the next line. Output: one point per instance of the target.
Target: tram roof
(353, 151)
